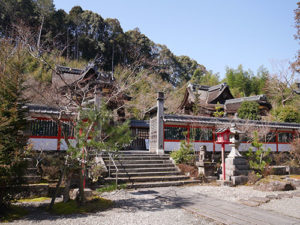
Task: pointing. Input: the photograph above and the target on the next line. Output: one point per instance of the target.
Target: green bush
(259, 157)
(287, 114)
(184, 155)
(249, 110)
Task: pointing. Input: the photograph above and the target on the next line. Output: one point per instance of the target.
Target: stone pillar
(160, 123)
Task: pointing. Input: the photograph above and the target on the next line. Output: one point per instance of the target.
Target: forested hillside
(81, 36)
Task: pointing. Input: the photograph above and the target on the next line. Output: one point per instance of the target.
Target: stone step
(142, 165)
(119, 162)
(146, 174)
(141, 170)
(31, 171)
(136, 152)
(162, 184)
(148, 179)
(32, 179)
(128, 157)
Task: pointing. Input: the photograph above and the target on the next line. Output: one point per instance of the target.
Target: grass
(111, 187)
(34, 199)
(13, 213)
(72, 207)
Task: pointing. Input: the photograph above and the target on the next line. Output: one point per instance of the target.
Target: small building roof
(34, 108)
(139, 123)
(208, 95)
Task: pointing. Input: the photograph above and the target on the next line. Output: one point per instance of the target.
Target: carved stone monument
(236, 166)
(205, 166)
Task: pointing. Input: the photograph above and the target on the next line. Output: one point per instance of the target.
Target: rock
(275, 186)
(296, 194)
(225, 183)
(259, 199)
(285, 195)
(74, 193)
(278, 170)
(294, 170)
(249, 203)
(271, 197)
(295, 182)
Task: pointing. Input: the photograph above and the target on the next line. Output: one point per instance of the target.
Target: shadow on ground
(148, 200)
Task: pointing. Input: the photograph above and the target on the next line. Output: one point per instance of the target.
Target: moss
(34, 199)
(72, 207)
(271, 178)
(13, 213)
(111, 187)
(295, 176)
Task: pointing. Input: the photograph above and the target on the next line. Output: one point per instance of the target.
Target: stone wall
(153, 134)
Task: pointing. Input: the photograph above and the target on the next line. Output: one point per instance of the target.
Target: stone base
(237, 169)
(74, 193)
(239, 180)
(225, 183)
(206, 169)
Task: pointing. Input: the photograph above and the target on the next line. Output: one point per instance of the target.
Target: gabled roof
(232, 105)
(70, 76)
(208, 95)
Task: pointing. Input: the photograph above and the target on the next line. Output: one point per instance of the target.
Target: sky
(216, 33)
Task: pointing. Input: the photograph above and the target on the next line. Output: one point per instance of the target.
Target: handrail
(117, 170)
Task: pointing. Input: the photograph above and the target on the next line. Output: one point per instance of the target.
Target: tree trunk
(66, 194)
(81, 188)
(57, 187)
(40, 34)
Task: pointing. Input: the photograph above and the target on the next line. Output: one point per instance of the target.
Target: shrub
(258, 158)
(287, 114)
(185, 154)
(296, 151)
(249, 110)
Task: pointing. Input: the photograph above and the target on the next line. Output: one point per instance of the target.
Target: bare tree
(281, 85)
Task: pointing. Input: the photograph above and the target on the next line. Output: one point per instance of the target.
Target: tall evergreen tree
(13, 142)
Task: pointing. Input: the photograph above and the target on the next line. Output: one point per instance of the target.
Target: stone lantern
(237, 167)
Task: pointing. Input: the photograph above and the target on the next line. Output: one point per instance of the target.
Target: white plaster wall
(244, 147)
(209, 146)
(284, 147)
(219, 148)
(43, 143)
(171, 146)
(63, 144)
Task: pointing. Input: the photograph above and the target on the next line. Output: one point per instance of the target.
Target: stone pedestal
(237, 169)
(206, 168)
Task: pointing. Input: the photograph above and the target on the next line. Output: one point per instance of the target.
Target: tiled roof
(215, 120)
(139, 123)
(251, 98)
(33, 108)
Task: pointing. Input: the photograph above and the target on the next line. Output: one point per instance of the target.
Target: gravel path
(131, 207)
(150, 206)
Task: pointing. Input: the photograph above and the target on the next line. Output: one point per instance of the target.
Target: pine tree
(13, 142)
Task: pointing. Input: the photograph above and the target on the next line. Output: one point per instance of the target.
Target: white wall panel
(284, 147)
(43, 143)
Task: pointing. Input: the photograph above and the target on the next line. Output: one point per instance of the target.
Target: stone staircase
(31, 174)
(141, 169)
